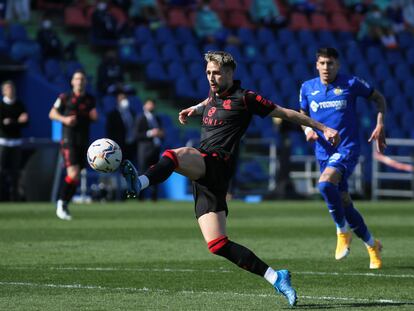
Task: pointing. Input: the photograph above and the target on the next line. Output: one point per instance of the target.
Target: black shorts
(74, 154)
(210, 191)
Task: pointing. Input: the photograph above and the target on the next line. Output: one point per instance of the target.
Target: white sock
(270, 276)
(343, 229)
(370, 242)
(144, 181)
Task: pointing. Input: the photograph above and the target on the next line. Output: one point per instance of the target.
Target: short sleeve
(258, 105)
(361, 88)
(303, 99)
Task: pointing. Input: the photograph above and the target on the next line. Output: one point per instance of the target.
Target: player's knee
(326, 188)
(346, 199)
(171, 154)
(216, 245)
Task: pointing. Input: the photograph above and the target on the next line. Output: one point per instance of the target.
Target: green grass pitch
(151, 256)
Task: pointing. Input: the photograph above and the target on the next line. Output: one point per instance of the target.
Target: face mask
(101, 6)
(47, 24)
(124, 103)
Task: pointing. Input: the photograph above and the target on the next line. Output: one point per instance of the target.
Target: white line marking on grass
(191, 292)
(369, 274)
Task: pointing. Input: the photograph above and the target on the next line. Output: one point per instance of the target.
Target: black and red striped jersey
(227, 117)
(70, 104)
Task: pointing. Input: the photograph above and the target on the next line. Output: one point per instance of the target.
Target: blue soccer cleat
(283, 286)
(131, 177)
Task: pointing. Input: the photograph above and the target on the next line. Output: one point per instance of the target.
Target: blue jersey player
(331, 99)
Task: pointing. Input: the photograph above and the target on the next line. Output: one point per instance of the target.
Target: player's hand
(69, 120)
(332, 136)
(311, 135)
(379, 136)
(185, 113)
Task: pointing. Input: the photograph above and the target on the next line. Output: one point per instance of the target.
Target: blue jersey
(335, 106)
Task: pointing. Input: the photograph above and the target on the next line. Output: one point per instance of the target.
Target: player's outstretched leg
(62, 210)
(283, 286)
(343, 245)
(130, 174)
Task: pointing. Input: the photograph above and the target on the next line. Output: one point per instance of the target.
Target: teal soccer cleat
(131, 176)
(283, 286)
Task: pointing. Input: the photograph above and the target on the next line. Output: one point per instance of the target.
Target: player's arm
(93, 114)
(54, 114)
(330, 134)
(378, 134)
(192, 111)
(310, 134)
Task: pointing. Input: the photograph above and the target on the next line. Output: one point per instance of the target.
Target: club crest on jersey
(211, 111)
(227, 104)
(314, 106)
(338, 91)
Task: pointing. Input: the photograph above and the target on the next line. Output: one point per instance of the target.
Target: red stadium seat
(299, 21)
(178, 18)
(237, 19)
(333, 6)
(340, 22)
(319, 22)
(75, 16)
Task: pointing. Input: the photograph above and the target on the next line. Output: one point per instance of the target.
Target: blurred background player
(13, 117)
(75, 110)
(149, 138)
(331, 99)
(227, 113)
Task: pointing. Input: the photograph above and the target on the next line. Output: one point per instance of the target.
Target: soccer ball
(104, 155)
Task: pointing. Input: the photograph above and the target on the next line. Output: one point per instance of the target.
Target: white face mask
(47, 24)
(101, 6)
(124, 103)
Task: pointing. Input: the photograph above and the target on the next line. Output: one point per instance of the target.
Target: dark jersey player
(226, 114)
(75, 110)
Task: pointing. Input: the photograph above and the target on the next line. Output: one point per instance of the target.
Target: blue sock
(332, 197)
(356, 222)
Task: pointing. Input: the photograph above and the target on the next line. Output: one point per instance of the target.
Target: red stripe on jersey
(218, 243)
(172, 155)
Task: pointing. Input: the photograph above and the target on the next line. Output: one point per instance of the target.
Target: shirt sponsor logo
(334, 158)
(335, 104)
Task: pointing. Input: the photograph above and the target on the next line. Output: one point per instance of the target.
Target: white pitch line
(368, 274)
(191, 292)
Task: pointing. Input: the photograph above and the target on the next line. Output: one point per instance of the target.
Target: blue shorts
(344, 163)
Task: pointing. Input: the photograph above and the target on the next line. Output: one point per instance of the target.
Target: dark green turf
(145, 256)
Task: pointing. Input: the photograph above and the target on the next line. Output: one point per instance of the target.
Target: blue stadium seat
(235, 51)
(154, 71)
(4, 47)
(52, 69)
(108, 103)
(393, 57)
(409, 56)
(241, 72)
(390, 88)
(374, 55)
(209, 47)
(273, 53)
(190, 52)
(246, 36)
(293, 53)
(405, 40)
(17, 32)
(127, 53)
(249, 84)
(252, 53)
(353, 54)
(326, 38)
(286, 38)
(362, 71)
(185, 35)
(175, 70)
(259, 71)
(280, 70)
(135, 103)
(265, 36)
(306, 37)
(143, 35)
(408, 86)
(184, 88)
(267, 87)
(148, 52)
(402, 72)
(164, 35)
(201, 88)
(381, 71)
(71, 66)
(300, 71)
(169, 52)
(289, 89)
(196, 70)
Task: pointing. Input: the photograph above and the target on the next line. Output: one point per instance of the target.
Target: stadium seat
(374, 55)
(408, 86)
(405, 40)
(235, 51)
(185, 35)
(265, 36)
(362, 71)
(177, 17)
(259, 71)
(252, 53)
(175, 70)
(319, 21)
(71, 66)
(393, 57)
(267, 87)
(209, 47)
(234, 5)
(326, 38)
(280, 70)
(273, 52)
(184, 88)
(293, 53)
(169, 52)
(306, 37)
(52, 69)
(381, 71)
(237, 19)
(299, 21)
(190, 52)
(75, 16)
(154, 71)
(148, 52)
(353, 54)
(390, 88)
(339, 22)
(300, 71)
(334, 6)
(409, 56)
(285, 37)
(196, 70)
(402, 72)
(241, 72)
(164, 35)
(108, 103)
(246, 36)
(201, 88)
(17, 32)
(143, 35)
